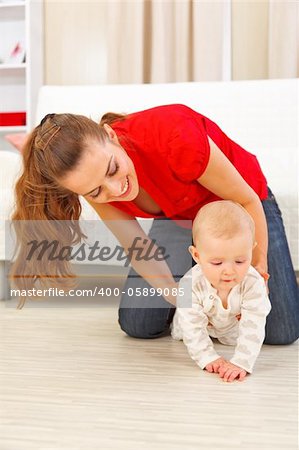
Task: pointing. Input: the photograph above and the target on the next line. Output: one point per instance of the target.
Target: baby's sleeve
(254, 310)
(190, 325)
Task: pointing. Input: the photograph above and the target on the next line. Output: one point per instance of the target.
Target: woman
(165, 163)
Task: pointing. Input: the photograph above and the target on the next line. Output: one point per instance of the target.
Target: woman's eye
(96, 194)
(98, 191)
(115, 169)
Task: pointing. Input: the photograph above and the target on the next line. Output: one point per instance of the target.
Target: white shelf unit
(13, 66)
(11, 4)
(20, 22)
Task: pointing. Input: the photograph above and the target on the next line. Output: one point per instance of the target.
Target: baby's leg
(176, 331)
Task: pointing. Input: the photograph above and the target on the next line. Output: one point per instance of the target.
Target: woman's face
(105, 172)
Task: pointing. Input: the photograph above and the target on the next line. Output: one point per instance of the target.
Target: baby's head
(223, 237)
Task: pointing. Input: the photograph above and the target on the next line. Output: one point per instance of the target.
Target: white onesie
(207, 317)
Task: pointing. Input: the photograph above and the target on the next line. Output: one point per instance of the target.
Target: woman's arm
(221, 178)
(126, 229)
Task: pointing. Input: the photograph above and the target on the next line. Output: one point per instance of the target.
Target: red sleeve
(189, 149)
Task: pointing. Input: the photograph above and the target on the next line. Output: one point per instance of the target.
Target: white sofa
(262, 116)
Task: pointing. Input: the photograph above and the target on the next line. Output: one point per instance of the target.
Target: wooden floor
(71, 379)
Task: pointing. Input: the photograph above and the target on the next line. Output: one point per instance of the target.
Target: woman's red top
(170, 150)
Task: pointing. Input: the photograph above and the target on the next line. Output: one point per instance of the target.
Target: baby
(229, 297)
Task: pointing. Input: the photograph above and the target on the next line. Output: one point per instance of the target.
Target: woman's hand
(262, 269)
(259, 259)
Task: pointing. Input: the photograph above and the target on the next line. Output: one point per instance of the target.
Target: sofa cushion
(10, 169)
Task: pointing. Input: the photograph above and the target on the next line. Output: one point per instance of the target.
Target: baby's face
(224, 262)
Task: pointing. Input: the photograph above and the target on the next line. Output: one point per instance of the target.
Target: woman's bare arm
(221, 178)
(126, 229)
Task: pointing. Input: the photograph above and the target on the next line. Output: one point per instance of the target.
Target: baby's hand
(230, 372)
(214, 366)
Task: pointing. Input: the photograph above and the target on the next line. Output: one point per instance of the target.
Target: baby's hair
(222, 219)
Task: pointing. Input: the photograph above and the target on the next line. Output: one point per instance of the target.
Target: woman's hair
(44, 211)
(111, 117)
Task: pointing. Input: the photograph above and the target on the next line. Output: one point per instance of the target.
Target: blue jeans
(150, 317)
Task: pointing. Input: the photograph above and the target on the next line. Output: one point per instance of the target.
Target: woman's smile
(126, 189)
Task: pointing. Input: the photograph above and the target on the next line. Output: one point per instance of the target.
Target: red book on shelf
(10, 119)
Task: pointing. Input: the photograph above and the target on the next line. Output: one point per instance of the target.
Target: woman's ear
(111, 133)
(194, 253)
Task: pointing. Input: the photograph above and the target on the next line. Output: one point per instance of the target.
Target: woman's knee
(142, 323)
(282, 339)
